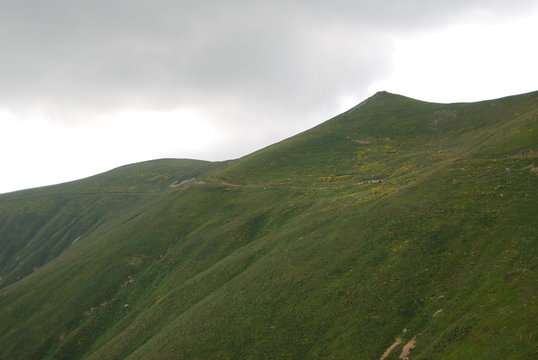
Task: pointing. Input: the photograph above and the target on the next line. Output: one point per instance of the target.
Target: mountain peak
(402, 215)
(378, 95)
(382, 92)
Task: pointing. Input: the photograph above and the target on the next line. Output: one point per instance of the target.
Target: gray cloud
(273, 58)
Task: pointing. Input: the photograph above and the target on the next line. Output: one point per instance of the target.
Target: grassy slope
(37, 225)
(282, 255)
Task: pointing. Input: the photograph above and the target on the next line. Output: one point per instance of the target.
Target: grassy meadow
(398, 219)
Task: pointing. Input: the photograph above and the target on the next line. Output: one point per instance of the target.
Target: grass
(281, 255)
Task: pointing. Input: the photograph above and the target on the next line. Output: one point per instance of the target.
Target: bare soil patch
(390, 348)
(406, 350)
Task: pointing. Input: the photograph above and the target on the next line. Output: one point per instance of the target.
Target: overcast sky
(86, 86)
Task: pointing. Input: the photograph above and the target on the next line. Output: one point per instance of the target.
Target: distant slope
(398, 219)
(389, 127)
(37, 225)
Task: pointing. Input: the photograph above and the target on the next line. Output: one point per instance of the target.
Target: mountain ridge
(397, 219)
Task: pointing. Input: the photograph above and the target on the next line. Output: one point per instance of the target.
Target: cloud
(248, 73)
(467, 62)
(103, 56)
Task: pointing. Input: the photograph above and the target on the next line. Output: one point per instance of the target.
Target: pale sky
(87, 86)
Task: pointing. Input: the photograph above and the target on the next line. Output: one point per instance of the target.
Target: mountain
(398, 229)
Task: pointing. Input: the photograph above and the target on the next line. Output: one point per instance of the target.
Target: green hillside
(399, 229)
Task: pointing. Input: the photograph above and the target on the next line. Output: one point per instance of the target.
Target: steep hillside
(399, 228)
(37, 225)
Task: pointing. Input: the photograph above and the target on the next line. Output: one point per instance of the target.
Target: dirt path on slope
(390, 348)
(406, 350)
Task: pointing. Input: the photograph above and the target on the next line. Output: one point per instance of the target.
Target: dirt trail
(390, 348)
(406, 350)
(176, 184)
(264, 186)
(193, 181)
